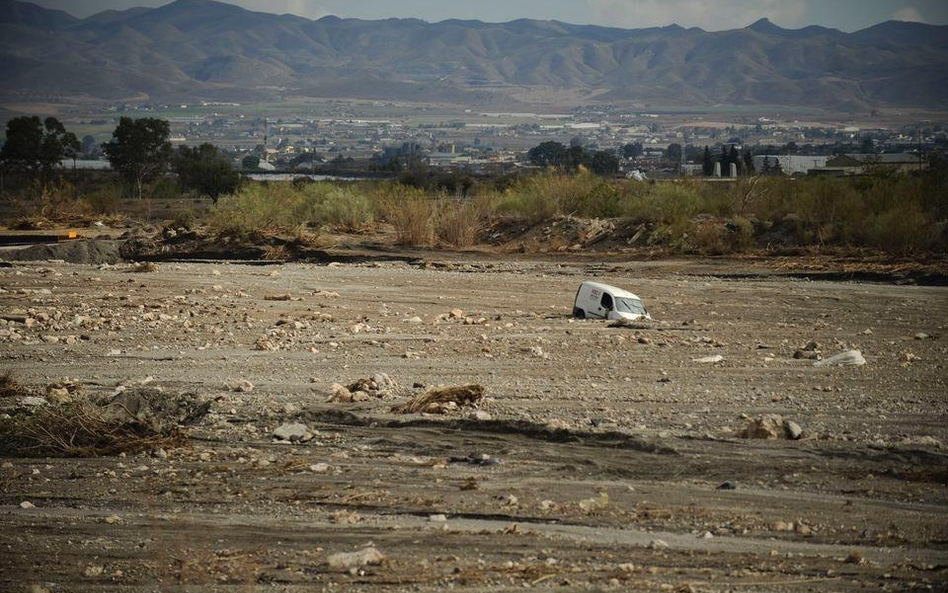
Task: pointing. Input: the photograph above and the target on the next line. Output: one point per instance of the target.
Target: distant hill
(201, 49)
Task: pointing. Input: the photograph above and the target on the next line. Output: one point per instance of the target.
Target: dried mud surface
(594, 463)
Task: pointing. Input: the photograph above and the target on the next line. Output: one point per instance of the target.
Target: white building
(791, 164)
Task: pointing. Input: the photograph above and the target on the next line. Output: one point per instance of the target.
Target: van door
(606, 305)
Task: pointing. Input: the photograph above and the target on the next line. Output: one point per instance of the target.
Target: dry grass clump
(411, 213)
(79, 429)
(461, 221)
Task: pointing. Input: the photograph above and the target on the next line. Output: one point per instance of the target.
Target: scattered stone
(793, 430)
(727, 486)
(924, 441)
(378, 385)
(278, 297)
(27, 505)
(848, 358)
(437, 518)
(709, 359)
(293, 432)
(242, 386)
(594, 504)
(93, 570)
(855, 557)
(265, 345)
(658, 544)
(146, 268)
(908, 356)
(768, 426)
(922, 336)
(339, 394)
(350, 560)
(414, 319)
(483, 460)
(456, 314)
(537, 352)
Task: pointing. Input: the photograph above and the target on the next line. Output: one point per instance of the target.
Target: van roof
(618, 292)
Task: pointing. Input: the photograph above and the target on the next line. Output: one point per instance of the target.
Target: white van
(601, 301)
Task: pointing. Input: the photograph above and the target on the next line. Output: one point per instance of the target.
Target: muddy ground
(601, 459)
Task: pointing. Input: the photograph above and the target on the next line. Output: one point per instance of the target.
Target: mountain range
(201, 49)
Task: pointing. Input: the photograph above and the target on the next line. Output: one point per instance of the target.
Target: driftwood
(439, 401)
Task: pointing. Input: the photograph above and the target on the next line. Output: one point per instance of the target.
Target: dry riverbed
(598, 459)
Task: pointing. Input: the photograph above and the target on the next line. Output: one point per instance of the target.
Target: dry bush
(413, 217)
(460, 222)
(79, 429)
(10, 388)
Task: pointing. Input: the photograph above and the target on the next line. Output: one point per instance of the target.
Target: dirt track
(576, 410)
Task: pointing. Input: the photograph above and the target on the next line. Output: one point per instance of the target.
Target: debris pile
(130, 422)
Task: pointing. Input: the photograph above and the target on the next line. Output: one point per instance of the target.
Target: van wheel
(579, 313)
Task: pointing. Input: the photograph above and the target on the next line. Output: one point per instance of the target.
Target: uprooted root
(439, 401)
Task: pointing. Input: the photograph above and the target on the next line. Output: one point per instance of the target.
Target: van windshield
(633, 306)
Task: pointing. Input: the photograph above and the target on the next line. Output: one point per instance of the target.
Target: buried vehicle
(601, 301)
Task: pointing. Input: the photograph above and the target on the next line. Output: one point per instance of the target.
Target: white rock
(709, 359)
(242, 386)
(843, 359)
(293, 432)
(348, 560)
(27, 505)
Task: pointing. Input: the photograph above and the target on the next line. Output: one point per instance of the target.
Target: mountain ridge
(204, 49)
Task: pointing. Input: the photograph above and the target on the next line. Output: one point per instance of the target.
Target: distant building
(790, 164)
(859, 164)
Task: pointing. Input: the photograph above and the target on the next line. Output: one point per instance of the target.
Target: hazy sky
(848, 15)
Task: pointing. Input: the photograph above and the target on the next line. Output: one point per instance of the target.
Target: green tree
(633, 151)
(37, 147)
(707, 163)
(673, 152)
(89, 146)
(139, 150)
(548, 154)
(748, 162)
(204, 170)
(250, 162)
(604, 163)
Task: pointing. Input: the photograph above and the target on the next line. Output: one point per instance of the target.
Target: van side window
(606, 301)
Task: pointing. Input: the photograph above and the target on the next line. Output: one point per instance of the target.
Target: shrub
(259, 208)
(346, 209)
(410, 212)
(105, 199)
(460, 222)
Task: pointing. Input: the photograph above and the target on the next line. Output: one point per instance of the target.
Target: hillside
(200, 49)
